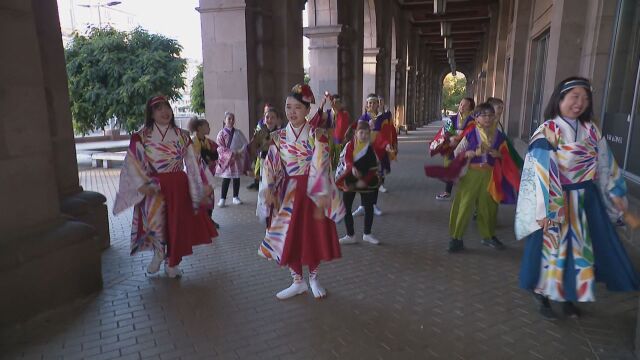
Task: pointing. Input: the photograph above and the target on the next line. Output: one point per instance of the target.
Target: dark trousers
(367, 200)
(225, 187)
(449, 187)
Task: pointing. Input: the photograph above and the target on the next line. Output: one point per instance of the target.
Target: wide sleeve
(609, 177)
(132, 176)
(462, 147)
(199, 176)
(271, 178)
(540, 194)
(344, 165)
(224, 151)
(320, 182)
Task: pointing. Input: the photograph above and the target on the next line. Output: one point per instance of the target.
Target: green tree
(197, 91)
(453, 90)
(113, 73)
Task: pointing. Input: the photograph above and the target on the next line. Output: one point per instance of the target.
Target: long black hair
(553, 106)
(152, 104)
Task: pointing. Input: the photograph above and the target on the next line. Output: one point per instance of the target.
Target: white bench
(107, 159)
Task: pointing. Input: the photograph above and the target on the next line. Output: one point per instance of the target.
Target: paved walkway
(405, 299)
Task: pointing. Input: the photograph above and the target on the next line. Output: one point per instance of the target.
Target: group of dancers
(569, 190)
(306, 172)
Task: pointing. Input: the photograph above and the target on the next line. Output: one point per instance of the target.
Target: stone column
(226, 63)
(565, 41)
(501, 49)
(491, 45)
(335, 34)
(369, 72)
(287, 48)
(86, 206)
(514, 108)
(45, 258)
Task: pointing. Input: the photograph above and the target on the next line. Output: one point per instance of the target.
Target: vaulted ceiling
(469, 22)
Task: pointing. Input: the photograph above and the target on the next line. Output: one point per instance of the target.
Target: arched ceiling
(469, 21)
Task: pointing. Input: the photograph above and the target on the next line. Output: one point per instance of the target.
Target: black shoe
(545, 308)
(253, 186)
(216, 224)
(571, 310)
(455, 245)
(493, 242)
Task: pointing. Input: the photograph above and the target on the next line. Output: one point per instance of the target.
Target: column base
(47, 269)
(89, 207)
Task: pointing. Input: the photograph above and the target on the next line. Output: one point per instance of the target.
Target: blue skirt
(611, 262)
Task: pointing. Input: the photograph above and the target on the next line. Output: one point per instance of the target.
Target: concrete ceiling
(469, 21)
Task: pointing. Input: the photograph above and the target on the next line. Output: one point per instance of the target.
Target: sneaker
(455, 245)
(443, 196)
(172, 271)
(154, 265)
(376, 210)
(382, 189)
(346, 240)
(370, 239)
(571, 310)
(319, 292)
(253, 186)
(359, 211)
(236, 201)
(221, 203)
(296, 288)
(493, 242)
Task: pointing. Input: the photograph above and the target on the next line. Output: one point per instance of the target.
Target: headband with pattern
(573, 84)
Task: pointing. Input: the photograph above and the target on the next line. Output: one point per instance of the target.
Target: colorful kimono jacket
(569, 176)
(297, 170)
(365, 161)
(208, 150)
(383, 133)
(232, 164)
(451, 126)
(505, 175)
(173, 217)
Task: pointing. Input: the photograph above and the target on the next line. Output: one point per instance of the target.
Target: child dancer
(358, 172)
(491, 178)
(298, 184)
(233, 160)
(207, 148)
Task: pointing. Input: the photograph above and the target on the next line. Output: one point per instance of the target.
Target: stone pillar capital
(213, 6)
(322, 31)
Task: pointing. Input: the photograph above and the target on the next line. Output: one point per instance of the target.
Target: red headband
(157, 100)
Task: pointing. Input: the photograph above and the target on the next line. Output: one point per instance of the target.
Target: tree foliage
(197, 91)
(453, 90)
(113, 73)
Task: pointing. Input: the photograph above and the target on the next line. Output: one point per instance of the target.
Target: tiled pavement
(405, 299)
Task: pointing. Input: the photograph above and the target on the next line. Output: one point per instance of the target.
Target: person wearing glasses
(491, 178)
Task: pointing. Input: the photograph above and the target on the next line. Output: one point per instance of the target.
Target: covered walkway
(404, 299)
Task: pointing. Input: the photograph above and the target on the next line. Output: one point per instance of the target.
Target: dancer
(384, 139)
(233, 158)
(449, 137)
(358, 172)
(261, 142)
(298, 184)
(571, 194)
(268, 111)
(168, 216)
(207, 148)
(491, 178)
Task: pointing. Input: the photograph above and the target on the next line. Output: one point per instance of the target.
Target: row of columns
(253, 54)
